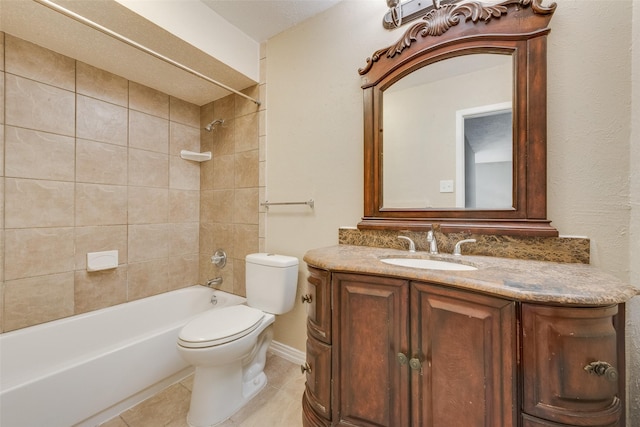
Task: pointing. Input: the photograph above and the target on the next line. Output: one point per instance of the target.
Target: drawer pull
(306, 298)
(602, 369)
(306, 368)
(415, 364)
(402, 359)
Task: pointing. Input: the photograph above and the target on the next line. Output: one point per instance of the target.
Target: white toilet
(228, 346)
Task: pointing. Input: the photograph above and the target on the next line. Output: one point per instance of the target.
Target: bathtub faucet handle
(219, 258)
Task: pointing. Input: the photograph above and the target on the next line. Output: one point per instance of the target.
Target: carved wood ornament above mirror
(514, 27)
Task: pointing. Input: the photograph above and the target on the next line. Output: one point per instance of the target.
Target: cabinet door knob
(415, 364)
(306, 298)
(602, 369)
(305, 368)
(402, 359)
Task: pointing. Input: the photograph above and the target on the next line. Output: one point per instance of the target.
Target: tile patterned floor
(277, 405)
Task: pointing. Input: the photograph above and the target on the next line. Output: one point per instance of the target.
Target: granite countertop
(520, 280)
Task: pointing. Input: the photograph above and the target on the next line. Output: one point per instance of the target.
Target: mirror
(456, 153)
(455, 122)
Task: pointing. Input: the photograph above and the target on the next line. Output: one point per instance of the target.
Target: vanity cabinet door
(560, 347)
(466, 346)
(371, 329)
(318, 302)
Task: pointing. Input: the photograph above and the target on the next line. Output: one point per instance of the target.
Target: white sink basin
(429, 264)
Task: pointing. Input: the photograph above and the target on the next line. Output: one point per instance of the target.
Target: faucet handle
(412, 246)
(456, 249)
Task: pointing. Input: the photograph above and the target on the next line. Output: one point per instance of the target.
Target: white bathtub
(86, 369)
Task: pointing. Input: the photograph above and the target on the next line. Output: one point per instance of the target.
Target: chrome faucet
(412, 246)
(433, 244)
(457, 250)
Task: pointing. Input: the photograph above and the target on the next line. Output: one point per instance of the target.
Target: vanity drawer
(318, 371)
(569, 359)
(318, 302)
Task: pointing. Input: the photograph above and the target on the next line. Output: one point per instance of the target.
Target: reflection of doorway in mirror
(484, 153)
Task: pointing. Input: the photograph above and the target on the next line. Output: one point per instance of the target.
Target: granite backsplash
(555, 249)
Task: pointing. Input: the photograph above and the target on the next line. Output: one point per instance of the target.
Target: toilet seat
(220, 326)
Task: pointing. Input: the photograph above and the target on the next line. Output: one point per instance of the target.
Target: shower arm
(138, 46)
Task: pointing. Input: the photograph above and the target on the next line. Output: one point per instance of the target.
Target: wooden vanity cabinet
(414, 354)
(385, 351)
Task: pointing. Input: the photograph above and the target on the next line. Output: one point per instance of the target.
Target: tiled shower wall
(229, 190)
(90, 161)
(232, 184)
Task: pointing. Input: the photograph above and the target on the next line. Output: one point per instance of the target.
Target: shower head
(211, 126)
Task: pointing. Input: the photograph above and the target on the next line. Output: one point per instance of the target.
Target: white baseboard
(288, 353)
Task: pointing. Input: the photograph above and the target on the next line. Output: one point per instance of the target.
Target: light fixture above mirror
(506, 97)
(403, 12)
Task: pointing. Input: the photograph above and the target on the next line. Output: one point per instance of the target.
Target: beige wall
(633, 320)
(91, 163)
(314, 146)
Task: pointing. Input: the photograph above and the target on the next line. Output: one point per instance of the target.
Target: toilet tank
(271, 282)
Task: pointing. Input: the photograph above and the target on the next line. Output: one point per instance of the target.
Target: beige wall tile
(1, 150)
(222, 202)
(2, 310)
(246, 169)
(183, 239)
(183, 271)
(207, 208)
(1, 51)
(101, 121)
(224, 139)
(2, 79)
(37, 63)
(148, 205)
(38, 251)
(183, 174)
(184, 206)
(224, 108)
(239, 276)
(39, 155)
(245, 206)
(38, 203)
(223, 172)
(148, 169)
(147, 278)
(246, 240)
(101, 84)
(99, 289)
(148, 132)
(148, 241)
(182, 137)
(184, 112)
(245, 106)
(147, 100)
(98, 204)
(38, 106)
(221, 237)
(100, 238)
(100, 163)
(37, 300)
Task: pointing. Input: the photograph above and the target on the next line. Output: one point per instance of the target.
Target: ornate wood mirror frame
(516, 27)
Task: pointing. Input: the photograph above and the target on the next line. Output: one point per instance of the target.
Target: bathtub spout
(214, 282)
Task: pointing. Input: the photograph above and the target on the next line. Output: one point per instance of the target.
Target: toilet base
(219, 391)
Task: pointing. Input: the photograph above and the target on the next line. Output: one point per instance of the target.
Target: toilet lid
(220, 325)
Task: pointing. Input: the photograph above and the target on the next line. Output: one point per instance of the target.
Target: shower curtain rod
(138, 46)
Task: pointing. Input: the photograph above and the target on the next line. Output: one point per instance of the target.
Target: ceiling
(263, 19)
